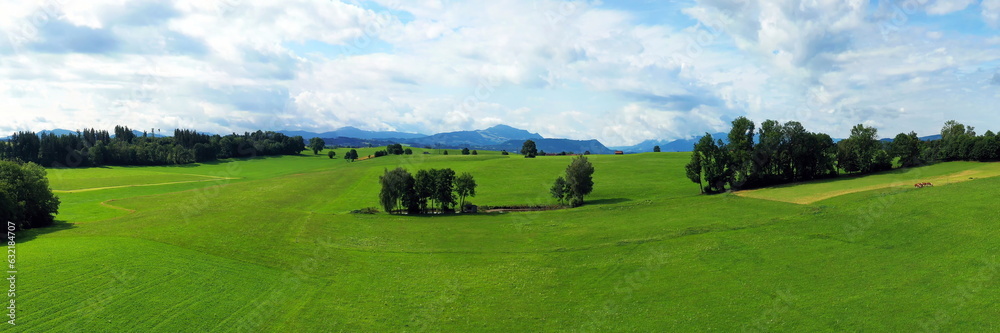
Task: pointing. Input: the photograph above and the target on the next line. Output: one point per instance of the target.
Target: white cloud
(565, 69)
(991, 12)
(947, 7)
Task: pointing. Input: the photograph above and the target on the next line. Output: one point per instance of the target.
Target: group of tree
(427, 191)
(782, 153)
(465, 151)
(26, 200)
(577, 183)
(960, 143)
(351, 155)
(92, 147)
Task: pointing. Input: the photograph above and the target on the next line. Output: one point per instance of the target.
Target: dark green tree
(394, 189)
(528, 149)
(351, 155)
(579, 179)
(908, 148)
(693, 170)
(465, 186)
(559, 190)
(444, 180)
(465, 151)
(331, 154)
(741, 147)
(25, 196)
(713, 163)
(424, 189)
(656, 149)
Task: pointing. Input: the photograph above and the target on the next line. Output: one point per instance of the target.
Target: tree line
(426, 191)
(91, 147)
(782, 153)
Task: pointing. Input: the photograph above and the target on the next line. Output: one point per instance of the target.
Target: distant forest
(784, 153)
(92, 147)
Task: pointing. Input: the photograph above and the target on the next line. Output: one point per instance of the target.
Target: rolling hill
(270, 245)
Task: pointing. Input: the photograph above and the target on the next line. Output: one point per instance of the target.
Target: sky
(618, 71)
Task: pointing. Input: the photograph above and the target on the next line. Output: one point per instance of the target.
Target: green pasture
(268, 244)
(938, 174)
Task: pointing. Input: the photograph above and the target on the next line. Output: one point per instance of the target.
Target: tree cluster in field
(25, 196)
(428, 190)
(465, 151)
(577, 183)
(958, 143)
(351, 155)
(784, 153)
(92, 147)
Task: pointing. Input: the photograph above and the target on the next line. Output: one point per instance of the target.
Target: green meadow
(269, 244)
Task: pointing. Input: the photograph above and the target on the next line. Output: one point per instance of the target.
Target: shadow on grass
(446, 215)
(30, 234)
(610, 201)
(838, 178)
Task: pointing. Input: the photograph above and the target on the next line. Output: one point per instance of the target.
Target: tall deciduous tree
(351, 155)
(740, 148)
(26, 199)
(528, 149)
(465, 186)
(443, 194)
(316, 144)
(693, 170)
(394, 187)
(908, 148)
(579, 179)
(559, 189)
(713, 163)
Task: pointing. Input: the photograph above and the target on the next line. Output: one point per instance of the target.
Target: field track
(811, 192)
(139, 185)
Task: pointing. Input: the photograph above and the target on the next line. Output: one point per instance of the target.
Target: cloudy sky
(618, 71)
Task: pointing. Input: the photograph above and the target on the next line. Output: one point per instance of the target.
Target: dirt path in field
(957, 177)
(138, 185)
(105, 204)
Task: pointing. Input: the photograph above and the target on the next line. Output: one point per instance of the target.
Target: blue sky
(618, 71)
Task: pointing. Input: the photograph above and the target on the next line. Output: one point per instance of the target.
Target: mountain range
(499, 137)
(354, 132)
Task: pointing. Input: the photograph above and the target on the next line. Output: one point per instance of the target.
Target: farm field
(939, 174)
(269, 244)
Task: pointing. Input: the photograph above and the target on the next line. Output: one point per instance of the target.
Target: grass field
(940, 174)
(267, 244)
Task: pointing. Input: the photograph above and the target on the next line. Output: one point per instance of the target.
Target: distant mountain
(500, 137)
(138, 134)
(923, 138)
(58, 132)
(554, 146)
(931, 137)
(353, 132)
(475, 139)
(355, 142)
(681, 145)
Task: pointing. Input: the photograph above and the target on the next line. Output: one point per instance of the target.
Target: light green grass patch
(938, 174)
